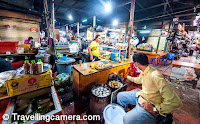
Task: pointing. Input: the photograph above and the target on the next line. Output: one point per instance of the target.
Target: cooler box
(8, 46)
(55, 108)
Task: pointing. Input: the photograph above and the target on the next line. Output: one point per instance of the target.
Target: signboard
(33, 29)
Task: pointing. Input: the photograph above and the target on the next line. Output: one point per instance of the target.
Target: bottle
(33, 67)
(26, 67)
(40, 66)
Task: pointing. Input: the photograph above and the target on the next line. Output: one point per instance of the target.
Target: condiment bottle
(34, 68)
(26, 67)
(40, 66)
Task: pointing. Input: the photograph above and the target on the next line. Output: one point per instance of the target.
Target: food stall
(83, 80)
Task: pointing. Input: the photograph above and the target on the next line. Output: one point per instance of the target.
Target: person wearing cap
(28, 41)
(155, 100)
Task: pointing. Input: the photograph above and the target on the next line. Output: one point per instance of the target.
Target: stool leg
(150, 61)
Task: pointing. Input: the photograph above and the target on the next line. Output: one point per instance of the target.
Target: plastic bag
(190, 74)
(62, 79)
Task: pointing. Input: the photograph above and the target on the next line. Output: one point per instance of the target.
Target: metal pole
(131, 25)
(94, 25)
(158, 41)
(53, 15)
(78, 31)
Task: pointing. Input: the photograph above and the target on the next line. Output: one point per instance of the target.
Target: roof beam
(169, 6)
(175, 14)
(59, 5)
(139, 4)
(76, 9)
(151, 7)
(73, 4)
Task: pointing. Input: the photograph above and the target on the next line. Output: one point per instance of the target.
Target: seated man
(156, 97)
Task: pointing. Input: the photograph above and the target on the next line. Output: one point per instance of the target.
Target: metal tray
(103, 67)
(46, 67)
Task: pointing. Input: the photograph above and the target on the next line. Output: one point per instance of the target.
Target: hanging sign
(163, 33)
(33, 29)
(70, 35)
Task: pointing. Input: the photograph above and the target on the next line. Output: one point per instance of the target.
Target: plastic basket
(8, 46)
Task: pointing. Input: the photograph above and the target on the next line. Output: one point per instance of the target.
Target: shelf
(108, 47)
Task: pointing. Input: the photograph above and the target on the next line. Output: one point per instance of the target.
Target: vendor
(94, 49)
(28, 41)
(155, 100)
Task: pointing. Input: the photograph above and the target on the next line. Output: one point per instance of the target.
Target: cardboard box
(28, 83)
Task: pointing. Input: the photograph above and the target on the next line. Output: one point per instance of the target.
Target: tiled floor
(188, 114)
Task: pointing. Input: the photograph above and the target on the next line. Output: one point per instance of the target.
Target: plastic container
(34, 69)
(8, 46)
(27, 67)
(63, 58)
(85, 66)
(40, 66)
(114, 56)
(64, 66)
(46, 58)
(113, 114)
(37, 57)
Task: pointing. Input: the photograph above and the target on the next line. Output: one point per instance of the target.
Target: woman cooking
(94, 48)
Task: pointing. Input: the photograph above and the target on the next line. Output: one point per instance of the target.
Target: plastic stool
(154, 59)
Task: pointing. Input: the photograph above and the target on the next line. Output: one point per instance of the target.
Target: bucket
(113, 114)
(64, 66)
(114, 56)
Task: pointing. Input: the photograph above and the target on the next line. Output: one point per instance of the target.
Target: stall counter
(83, 80)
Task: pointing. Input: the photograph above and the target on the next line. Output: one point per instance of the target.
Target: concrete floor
(190, 111)
(188, 114)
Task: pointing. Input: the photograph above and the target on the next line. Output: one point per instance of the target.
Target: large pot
(99, 102)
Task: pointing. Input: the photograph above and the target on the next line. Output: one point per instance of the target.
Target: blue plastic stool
(169, 56)
(154, 59)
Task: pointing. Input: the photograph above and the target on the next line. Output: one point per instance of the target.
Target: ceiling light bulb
(108, 7)
(70, 17)
(115, 22)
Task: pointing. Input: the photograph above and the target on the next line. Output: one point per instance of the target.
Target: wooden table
(189, 65)
(84, 80)
(152, 54)
(186, 64)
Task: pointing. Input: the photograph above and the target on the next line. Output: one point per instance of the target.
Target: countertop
(88, 71)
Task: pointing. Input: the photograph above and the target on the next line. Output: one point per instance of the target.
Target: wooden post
(131, 26)
(47, 17)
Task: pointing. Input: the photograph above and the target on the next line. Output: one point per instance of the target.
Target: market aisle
(189, 113)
